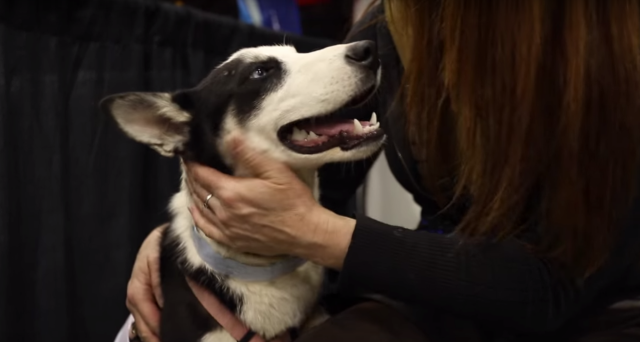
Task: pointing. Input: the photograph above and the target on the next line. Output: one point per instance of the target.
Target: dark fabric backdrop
(76, 196)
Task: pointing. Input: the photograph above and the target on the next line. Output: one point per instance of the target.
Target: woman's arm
(499, 283)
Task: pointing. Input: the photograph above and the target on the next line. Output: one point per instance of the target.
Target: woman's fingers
(208, 226)
(213, 205)
(214, 179)
(142, 331)
(210, 214)
(147, 318)
(206, 218)
(198, 191)
(154, 267)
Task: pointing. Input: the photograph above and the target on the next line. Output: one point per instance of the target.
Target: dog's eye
(259, 72)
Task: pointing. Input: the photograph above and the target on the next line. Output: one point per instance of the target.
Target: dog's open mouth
(319, 134)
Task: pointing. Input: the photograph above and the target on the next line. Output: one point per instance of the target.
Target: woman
(516, 126)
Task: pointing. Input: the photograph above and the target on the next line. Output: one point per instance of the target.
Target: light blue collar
(235, 269)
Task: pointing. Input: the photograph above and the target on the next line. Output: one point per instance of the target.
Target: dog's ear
(154, 119)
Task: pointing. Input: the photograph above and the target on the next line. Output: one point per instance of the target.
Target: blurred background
(76, 196)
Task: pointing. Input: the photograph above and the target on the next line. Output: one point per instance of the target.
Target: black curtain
(228, 8)
(76, 196)
(329, 20)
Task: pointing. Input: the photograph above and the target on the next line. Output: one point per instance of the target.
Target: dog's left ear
(154, 119)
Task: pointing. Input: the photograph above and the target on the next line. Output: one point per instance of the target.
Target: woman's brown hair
(534, 107)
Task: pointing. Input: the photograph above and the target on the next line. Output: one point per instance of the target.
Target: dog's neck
(307, 176)
(180, 209)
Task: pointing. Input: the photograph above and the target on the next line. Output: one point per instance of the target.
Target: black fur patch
(184, 319)
(227, 88)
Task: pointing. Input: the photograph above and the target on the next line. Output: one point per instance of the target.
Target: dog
(286, 105)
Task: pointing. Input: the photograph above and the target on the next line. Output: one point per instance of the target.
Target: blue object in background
(278, 15)
(250, 12)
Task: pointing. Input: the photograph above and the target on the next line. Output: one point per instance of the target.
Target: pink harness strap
(229, 322)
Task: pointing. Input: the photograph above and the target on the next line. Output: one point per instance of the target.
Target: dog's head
(284, 103)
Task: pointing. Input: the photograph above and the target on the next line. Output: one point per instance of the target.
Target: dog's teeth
(357, 127)
(298, 134)
(312, 135)
(371, 127)
(374, 119)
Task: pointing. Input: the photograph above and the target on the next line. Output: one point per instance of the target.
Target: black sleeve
(500, 284)
(339, 181)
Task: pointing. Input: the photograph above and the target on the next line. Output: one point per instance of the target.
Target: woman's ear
(154, 119)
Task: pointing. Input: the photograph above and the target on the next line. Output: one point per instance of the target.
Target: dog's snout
(364, 54)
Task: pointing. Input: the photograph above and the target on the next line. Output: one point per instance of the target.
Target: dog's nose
(364, 54)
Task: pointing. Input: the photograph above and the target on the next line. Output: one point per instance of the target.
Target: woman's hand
(144, 295)
(271, 214)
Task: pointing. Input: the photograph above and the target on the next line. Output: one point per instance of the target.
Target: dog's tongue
(329, 128)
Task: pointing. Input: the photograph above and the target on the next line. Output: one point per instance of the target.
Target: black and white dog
(284, 103)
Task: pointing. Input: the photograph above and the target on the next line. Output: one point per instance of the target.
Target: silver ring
(205, 204)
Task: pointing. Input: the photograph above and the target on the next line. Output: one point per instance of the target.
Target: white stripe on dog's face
(317, 82)
(310, 85)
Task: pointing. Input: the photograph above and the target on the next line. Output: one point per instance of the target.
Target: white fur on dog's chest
(281, 304)
(273, 307)
(268, 308)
